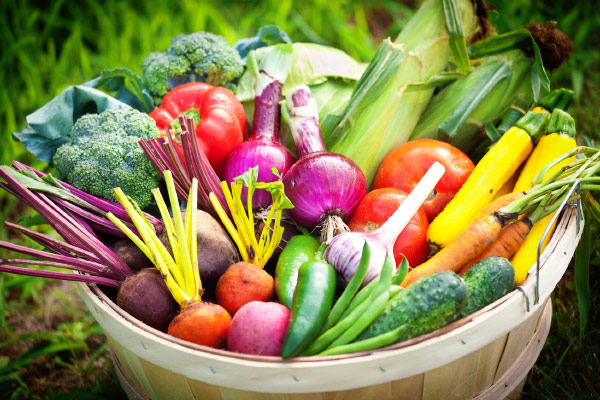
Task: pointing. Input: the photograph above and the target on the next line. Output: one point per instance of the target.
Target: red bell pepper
(222, 123)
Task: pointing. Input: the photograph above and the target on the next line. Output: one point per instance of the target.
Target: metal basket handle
(577, 203)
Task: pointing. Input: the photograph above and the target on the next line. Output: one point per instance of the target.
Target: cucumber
(487, 281)
(426, 305)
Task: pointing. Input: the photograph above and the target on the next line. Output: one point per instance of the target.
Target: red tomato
(376, 207)
(404, 167)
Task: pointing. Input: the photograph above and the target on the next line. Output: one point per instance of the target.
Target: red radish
(259, 328)
(376, 207)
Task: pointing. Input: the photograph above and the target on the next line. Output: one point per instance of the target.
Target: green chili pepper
(299, 249)
(311, 304)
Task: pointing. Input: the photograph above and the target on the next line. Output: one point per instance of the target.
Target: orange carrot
(478, 236)
(509, 241)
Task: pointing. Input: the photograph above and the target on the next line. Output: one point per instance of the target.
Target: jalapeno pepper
(298, 250)
(311, 304)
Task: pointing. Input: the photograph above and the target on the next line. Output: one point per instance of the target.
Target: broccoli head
(194, 57)
(104, 153)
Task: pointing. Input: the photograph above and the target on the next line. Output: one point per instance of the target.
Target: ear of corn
(559, 139)
(381, 113)
(489, 175)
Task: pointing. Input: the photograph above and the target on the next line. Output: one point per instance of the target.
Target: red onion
(262, 148)
(344, 251)
(324, 187)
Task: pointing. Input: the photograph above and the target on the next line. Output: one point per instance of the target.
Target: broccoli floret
(104, 153)
(195, 57)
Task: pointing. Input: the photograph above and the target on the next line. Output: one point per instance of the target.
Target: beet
(127, 251)
(146, 297)
(202, 323)
(242, 283)
(216, 251)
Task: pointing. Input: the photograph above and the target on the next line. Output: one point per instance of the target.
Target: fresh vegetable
(379, 205)
(342, 303)
(330, 73)
(73, 201)
(299, 249)
(50, 126)
(345, 249)
(206, 324)
(165, 154)
(103, 154)
(404, 166)
(81, 249)
(324, 187)
(145, 296)
(131, 255)
(218, 118)
(215, 250)
(382, 113)
(242, 283)
(259, 328)
(265, 36)
(199, 322)
(487, 281)
(494, 169)
(252, 249)
(477, 237)
(559, 138)
(509, 240)
(312, 303)
(194, 57)
(263, 149)
(423, 307)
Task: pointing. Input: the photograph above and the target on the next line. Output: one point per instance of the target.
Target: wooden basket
(485, 355)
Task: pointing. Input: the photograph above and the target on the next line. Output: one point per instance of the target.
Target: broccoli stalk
(104, 153)
(195, 57)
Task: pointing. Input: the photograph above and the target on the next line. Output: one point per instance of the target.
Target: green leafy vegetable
(125, 86)
(266, 36)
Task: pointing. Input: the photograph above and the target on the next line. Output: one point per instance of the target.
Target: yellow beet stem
(170, 229)
(558, 140)
(228, 224)
(132, 236)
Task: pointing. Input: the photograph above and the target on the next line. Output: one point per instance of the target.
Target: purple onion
(324, 187)
(262, 148)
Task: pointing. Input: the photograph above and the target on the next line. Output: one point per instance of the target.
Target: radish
(259, 328)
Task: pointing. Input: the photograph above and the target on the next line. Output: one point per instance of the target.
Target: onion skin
(321, 184)
(265, 152)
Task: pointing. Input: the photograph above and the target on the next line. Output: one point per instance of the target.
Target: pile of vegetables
(314, 206)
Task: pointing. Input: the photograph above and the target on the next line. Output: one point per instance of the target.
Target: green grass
(46, 48)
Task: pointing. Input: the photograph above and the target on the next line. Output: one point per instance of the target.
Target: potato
(216, 251)
(258, 328)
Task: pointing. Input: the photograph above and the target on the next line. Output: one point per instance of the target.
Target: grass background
(50, 347)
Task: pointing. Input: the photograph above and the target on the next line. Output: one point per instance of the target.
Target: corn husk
(381, 113)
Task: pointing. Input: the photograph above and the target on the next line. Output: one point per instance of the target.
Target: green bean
(400, 272)
(351, 289)
(381, 286)
(367, 344)
(360, 297)
(375, 308)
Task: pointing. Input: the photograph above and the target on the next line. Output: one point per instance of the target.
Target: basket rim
(566, 221)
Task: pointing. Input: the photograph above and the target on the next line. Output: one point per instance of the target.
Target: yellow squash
(495, 168)
(559, 139)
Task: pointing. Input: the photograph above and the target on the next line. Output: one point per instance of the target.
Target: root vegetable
(131, 255)
(259, 328)
(205, 324)
(216, 251)
(242, 283)
(146, 297)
